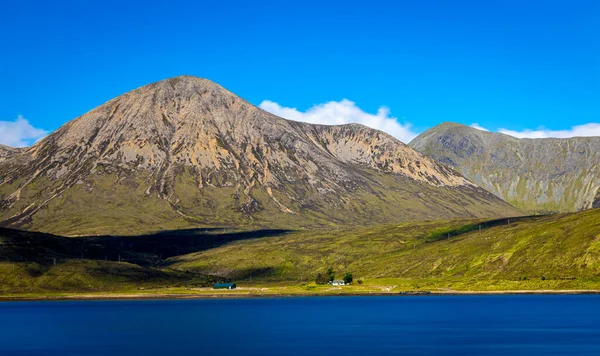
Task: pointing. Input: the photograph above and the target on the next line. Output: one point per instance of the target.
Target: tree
(321, 279)
(331, 274)
(348, 278)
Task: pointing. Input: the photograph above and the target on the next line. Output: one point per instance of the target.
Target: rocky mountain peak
(197, 149)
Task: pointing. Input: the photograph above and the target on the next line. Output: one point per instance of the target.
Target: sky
(525, 68)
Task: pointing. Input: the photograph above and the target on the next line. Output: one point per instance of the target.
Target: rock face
(7, 152)
(536, 175)
(596, 203)
(186, 152)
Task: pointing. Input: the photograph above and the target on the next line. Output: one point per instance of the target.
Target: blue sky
(511, 64)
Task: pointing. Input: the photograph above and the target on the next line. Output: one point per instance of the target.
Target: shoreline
(182, 296)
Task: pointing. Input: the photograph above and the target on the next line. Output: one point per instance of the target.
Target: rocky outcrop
(536, 175)
(185, 151)
(6, 152)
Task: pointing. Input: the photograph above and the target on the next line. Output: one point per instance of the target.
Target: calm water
(424, 325)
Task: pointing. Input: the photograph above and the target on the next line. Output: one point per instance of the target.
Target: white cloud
(476, 126)
(344, 112)
(591, 129)
(587, 130)
(19, 133)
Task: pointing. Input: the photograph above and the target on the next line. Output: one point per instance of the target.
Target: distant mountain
(536, 175)
(185, 152)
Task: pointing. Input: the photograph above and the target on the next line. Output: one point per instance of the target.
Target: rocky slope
(536, 175)
(6, 152)
(186, 152)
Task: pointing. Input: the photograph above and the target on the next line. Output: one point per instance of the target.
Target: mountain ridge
(186, 152)
(537, 175)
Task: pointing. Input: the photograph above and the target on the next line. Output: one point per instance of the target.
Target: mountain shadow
(143, 250)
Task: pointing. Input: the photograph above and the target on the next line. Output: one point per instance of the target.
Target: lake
(412, 325)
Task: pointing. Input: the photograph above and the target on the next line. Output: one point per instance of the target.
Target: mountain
(6, 152)
(536, 175)
(185, 152)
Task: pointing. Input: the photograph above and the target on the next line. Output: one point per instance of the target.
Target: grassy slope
(84, 276)
(553, 252)
(37, 264)
(108, 204)
(561, 251)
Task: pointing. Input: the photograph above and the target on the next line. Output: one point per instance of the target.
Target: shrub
(348, 278)
(321, 279)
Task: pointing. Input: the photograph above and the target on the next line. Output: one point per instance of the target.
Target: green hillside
(88, 276)
(537, 252)
(527, 253)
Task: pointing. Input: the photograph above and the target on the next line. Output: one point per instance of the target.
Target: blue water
(419, 325)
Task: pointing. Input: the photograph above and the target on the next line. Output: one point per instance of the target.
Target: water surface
(419, 325)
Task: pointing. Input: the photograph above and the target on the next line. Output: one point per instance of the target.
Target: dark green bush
(322, 279)
(348, 278)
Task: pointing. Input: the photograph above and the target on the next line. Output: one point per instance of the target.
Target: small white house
(338, 282)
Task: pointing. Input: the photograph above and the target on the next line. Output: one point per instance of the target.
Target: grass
(89, 276)
(126, 204)
(538, 252)
(558, 252)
